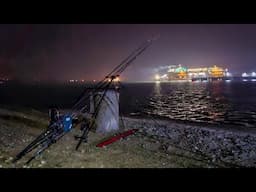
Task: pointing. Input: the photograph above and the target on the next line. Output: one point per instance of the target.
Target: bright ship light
(157, 77)
(244, 75)
(164, 76)
(202, 74)
(228, 74)
(253, 74)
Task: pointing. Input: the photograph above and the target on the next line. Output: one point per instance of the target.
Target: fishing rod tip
(154, 38)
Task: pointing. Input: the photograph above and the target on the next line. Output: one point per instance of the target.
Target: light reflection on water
(213, 102)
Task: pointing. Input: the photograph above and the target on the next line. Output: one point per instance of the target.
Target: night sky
(58, 52)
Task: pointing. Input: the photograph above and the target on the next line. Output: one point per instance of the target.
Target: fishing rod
(50, 136)
(64, 124)
(116, 71)
(95, 114)
(50, 140)
(112, 75)
(100, 84)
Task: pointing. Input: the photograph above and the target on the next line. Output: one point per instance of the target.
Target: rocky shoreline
(233, 147)
(19, 127)
(156, 144)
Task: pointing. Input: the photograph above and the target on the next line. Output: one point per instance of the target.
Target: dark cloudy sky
(89, 51)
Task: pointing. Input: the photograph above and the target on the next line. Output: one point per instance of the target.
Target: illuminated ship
(181, 73)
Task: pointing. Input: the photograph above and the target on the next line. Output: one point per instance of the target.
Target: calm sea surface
(213, 102)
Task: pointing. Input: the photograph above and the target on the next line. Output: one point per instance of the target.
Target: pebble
(1, 166)
(252, 154)
(170, 148)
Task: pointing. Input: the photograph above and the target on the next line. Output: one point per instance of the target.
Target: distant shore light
(117, 79)
(244, 75)
(157, 77)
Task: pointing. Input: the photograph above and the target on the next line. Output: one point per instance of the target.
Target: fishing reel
(58, 121)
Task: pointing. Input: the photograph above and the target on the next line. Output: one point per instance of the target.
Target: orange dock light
(216, 71)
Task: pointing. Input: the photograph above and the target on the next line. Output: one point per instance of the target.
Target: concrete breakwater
(232, 146)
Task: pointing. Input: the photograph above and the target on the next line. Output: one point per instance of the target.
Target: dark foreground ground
(19, 127)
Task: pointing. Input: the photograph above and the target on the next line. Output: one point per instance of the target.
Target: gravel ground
(226, 145)
(17, 129)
